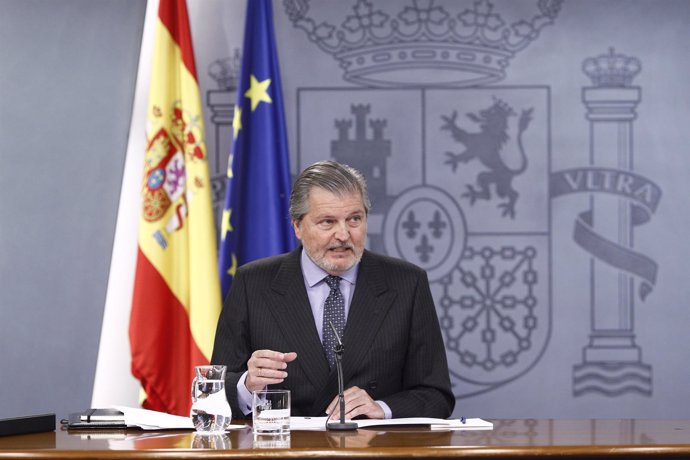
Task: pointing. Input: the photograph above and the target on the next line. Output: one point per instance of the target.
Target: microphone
(339, 348)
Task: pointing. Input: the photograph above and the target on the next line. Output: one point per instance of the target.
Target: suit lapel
(370, 303)
(288, 301)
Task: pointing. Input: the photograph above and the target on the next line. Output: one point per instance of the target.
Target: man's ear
(296, 228)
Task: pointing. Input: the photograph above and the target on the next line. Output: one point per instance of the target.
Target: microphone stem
(341, 386)
(341, 396)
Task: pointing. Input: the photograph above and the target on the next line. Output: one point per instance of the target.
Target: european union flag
(256, 222)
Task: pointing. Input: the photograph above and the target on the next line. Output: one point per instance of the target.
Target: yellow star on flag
(237, 121)
(226, 226)
(233, 268)
(258, 91)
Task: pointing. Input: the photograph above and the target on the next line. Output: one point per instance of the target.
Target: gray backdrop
(67, 78)
(550, 212)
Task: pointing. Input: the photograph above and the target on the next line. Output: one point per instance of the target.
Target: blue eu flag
(255, 221)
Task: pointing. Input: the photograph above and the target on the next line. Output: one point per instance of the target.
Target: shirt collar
(313, 274)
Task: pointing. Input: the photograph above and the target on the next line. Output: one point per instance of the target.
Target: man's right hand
(266, 367)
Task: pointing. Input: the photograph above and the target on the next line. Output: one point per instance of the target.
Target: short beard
(331, 268)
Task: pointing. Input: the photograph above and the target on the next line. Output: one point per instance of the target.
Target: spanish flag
(176, 298)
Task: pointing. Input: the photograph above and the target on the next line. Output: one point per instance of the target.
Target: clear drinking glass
(271, 412)
(211, 413)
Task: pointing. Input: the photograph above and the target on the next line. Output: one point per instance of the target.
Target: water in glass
(210, 412)
(271, 412)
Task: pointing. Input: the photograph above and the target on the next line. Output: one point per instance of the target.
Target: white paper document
(437, 424)
(153, 420)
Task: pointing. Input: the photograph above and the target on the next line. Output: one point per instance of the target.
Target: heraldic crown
(612, 70)
(470, 46)
(226, 72)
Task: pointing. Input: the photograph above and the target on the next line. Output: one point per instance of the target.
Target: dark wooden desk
(509, 439)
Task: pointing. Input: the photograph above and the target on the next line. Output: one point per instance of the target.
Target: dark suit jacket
(393, 344)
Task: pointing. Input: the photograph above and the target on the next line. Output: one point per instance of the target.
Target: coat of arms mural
(459, 165)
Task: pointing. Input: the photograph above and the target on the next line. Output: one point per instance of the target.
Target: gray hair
(329, 175)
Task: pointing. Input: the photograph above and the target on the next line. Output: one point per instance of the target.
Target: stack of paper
(319, 423)
(152, 420)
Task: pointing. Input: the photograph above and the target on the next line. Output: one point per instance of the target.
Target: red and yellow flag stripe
(176, 300)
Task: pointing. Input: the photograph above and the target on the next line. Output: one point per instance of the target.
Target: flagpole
(113, 379)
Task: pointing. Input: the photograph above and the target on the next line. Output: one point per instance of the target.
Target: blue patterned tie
(333, 310)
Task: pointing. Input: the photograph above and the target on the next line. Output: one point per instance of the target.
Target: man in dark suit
(275, 330)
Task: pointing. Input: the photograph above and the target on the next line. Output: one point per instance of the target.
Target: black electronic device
(96, 418)
(28, 424)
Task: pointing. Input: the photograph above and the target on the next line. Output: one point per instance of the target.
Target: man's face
(334, 230)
